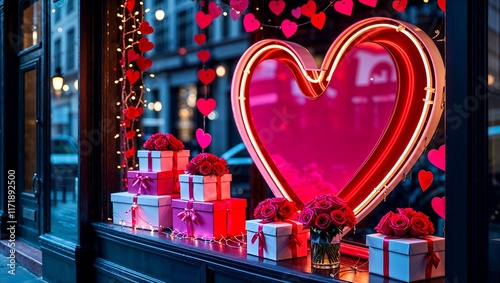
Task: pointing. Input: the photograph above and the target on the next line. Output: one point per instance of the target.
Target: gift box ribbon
(262, 240)
(176, 174)
(190, 187)
(294, 241)
(188, 216)
(150, 162)
(132, 209)
(432, 257)
(219, 188)
(140, 181)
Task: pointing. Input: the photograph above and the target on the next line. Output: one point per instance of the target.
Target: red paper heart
(200, 38)
(206, 106)
(206, 76)
(399, 5)
(437, 157)
(277, 6)
(214, 10)
(144, 63)
(132, 76)
(309, 8)
(239, 5)
(145, 45)
(203, 55)
(203, 20)
(410, 127)
(289, 28)
(439, 205)
(131, 55)
(425, 179)
(234, 15)
(204, 139)
(250, 23)
(442, 5)
(145, 28)
(344, 7)
(130, 5)
(318, 20)
(296, 12)
(371, 3)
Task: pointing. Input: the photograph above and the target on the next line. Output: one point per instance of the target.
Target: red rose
(324, 205)
(336, 202)
(408, 211)
(257, 213)
(351, 218)
(419, 226)
(223, 161)
(287, 209)
(133, 112)
(130, 134)
(268, 212)
(129, 153)
(160, 144)
(174, 144)
(205, 168)
(156, 136)
(338, 217)
(149, 144)
(430, 226)
(219, 169)
(211, 158)
(278, 201)
(322, 221)
(400, 224)
(384, 226)
(197, 160)
(306, 217)
(191, 168)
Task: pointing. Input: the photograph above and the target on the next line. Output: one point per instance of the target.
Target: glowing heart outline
(420, 76)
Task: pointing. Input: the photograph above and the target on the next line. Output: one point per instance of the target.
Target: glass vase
(325, 253)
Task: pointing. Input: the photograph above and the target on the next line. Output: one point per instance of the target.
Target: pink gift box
(162, 160)
(205, 187)
(236, 216)
(277, 236)
(151, 183)
(209, 218)
(408, 258)
(150, 211)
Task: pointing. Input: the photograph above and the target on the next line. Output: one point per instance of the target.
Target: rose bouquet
(326, 216)
(405, 223)
(275, 209)
(207, 164)
(161, 141)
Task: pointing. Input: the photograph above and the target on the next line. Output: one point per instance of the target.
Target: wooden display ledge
(127, 255)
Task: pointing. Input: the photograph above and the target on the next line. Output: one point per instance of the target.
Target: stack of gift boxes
(205, 209)
(147, 203)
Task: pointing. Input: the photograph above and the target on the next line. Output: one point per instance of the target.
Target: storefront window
(31, 21)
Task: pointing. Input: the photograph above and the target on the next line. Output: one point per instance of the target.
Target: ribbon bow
(188, 216)
(141, 181)
(294, 241)
(262, 240)
(432, 258)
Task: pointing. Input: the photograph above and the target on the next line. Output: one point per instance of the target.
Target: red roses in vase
(407, 222)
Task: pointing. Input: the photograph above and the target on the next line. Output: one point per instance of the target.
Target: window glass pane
(494, 137)
(31, 20)
(30, 94)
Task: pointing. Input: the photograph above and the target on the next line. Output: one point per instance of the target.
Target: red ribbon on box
(150, 162)
(132, 209)
(191, 188)
(294, 241)
(176, 174)
(141, 181)
(188, 216)
(262, 240)
(219, 188)
(432, 259)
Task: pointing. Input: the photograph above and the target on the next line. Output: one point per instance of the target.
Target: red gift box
(200, 219)
(152, 183)
(236, 216)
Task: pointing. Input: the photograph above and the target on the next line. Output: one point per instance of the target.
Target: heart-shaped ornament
(309, 8)
(413, 121)
(200, 38)
(132, 76)
(296, 12)
(239, 5)
(145, 28)
(289, 28)
(442, 5)
(277, 6)
(371, 3)
(214, 10)
(206, 106)
(234, 14)
(425, 179)
(318, 20)
(144, 63)
(439, 205)
(204, 139)
(203, 55)
(145, 45)
(399, 5)
(250, 23)
(130, 5)
(203, 20)
(132, 56)
(437, 157)
(206, 76)
(344, 7)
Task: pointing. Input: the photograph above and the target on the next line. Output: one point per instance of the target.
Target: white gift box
(150, 211)
(205, 187)
(408, 257)
(276, 238)
(162, 160)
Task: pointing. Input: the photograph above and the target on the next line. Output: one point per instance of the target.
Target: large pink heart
(412, 122)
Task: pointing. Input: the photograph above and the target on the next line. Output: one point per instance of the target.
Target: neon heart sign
(416, 113)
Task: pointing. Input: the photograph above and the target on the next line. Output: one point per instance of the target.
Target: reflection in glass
(31, 21)
(30, 84)
(64, 147)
